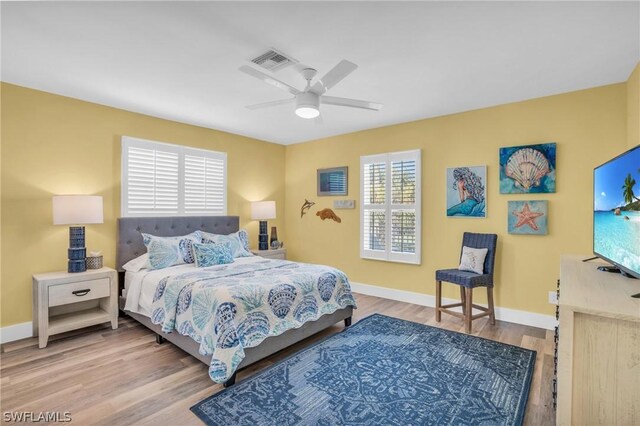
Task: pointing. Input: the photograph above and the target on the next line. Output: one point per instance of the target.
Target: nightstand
(64, 301)
(271, 254)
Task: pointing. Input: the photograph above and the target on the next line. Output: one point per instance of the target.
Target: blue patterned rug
(383, 370)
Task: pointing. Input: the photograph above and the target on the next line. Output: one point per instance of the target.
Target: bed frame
(130, 246)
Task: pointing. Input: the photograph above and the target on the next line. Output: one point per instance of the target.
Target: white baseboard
(24, 330)
(16, 332)
(533, 319)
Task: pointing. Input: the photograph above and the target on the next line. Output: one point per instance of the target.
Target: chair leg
(462, 298)
(438, 301)
(468, 298)
(492, 312)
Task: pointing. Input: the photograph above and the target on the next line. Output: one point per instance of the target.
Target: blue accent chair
(468, 281)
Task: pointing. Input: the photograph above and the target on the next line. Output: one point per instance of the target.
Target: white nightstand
(64, 301)
(271, 254)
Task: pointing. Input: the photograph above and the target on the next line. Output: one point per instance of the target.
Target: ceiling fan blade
(333, 77)
(271, 103)
(268, 79)
(354, 103)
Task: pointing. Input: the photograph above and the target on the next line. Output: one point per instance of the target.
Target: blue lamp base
(77, 252)
(263, 237)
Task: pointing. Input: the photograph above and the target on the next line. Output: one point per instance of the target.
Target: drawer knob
(81, 293)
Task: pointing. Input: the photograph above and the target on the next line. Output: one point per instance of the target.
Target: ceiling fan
(308, 100)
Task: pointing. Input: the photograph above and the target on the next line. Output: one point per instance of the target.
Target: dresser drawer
(63, 294)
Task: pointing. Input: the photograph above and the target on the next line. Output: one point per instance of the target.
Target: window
(390, 208)
(160, 179)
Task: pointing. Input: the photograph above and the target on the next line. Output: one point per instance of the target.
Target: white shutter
(374, 225)
(373, 217)
(204, 183)
(390, 208)
(403, 231)
(405, 172)
(161, 179)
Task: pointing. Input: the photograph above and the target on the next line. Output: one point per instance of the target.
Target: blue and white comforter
(227, 309)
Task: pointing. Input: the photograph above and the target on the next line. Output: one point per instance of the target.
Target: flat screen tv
(616, 212)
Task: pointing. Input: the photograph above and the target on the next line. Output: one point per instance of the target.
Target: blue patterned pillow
(238, 242)
(210, 254)
(169, 251)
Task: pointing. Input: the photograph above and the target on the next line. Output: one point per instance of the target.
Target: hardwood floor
(108, 377)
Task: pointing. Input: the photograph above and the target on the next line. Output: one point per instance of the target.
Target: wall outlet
(553, 297)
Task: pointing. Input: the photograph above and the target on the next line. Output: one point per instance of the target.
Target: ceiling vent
(273, 60)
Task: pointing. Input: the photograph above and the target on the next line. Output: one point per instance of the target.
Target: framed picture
(467, 191)
(528, 169)
(527, 217)
(333, 181)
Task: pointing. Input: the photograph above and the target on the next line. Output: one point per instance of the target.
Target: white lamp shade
(263, 210)
(77, 209)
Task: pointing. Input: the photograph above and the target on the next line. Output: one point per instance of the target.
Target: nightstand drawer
(271, 254)
(63, 294)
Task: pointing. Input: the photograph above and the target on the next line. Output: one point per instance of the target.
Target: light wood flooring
(120, 377)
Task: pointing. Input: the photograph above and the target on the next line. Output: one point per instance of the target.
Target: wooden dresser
(599, 347)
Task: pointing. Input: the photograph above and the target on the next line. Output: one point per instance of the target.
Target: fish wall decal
(305, 207)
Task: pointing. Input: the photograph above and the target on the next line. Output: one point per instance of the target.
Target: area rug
(383, 371)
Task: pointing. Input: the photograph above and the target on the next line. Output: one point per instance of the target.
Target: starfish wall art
(527, 217)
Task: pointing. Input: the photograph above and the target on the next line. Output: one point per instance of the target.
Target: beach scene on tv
(616, 218)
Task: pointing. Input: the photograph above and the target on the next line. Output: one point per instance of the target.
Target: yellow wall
(633, 108)
(588, 126)
(57, 145)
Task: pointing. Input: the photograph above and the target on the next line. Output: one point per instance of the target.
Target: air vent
(273, 60)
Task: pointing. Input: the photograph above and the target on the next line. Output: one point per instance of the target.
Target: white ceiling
(179, 60)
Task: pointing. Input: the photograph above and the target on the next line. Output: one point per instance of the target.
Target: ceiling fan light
(307, 111)
(307, 105)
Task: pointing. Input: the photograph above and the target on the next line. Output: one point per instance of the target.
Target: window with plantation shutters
(204, 183)
(390, 208)
(161, 179)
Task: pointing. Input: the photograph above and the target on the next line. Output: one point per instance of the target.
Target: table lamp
(77, 210)
(262, 211)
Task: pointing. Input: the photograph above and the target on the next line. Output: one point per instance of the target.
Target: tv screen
(616, 211)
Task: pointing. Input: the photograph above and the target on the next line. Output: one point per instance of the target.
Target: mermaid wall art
(467, 191)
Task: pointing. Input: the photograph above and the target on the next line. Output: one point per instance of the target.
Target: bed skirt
(268, 347)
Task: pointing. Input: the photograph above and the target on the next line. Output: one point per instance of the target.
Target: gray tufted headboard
(130, 243)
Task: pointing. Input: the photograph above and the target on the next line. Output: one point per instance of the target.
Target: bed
(139, 295)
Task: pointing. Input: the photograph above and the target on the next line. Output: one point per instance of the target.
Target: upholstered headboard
(130, 243)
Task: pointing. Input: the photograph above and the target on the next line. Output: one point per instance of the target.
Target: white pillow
(137, 264)
(472, 259)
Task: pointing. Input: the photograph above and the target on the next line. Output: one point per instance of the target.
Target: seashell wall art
(528, 169)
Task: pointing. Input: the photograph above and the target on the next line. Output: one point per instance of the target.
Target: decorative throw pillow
(169, 251)
(238, 242)
(472, 259)
(210, 254)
